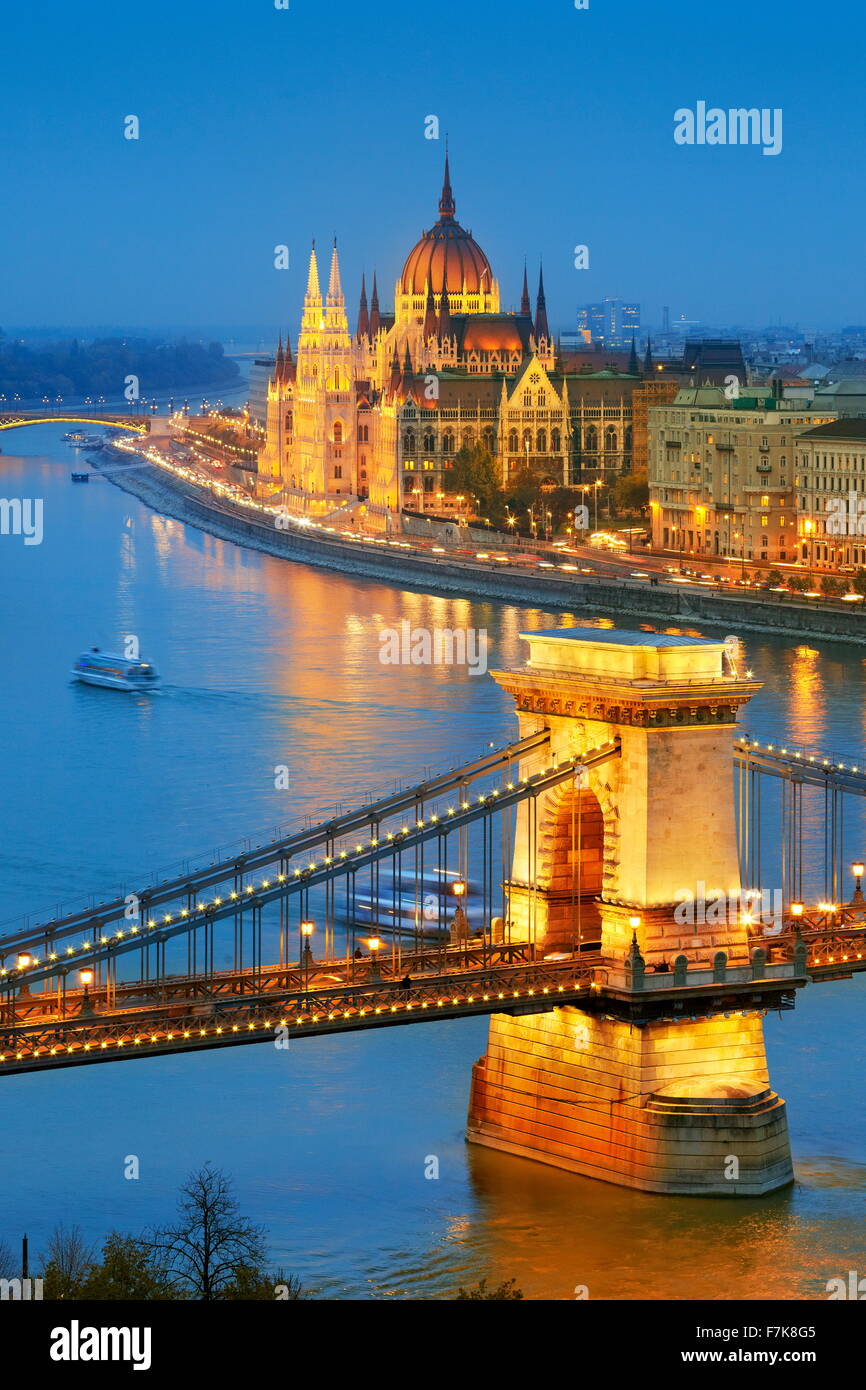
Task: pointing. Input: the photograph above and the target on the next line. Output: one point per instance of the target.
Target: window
(338, 470)
(338, 433)
(541, 442)
(512, 441)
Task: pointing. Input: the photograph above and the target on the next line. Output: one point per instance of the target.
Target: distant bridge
(13, 420)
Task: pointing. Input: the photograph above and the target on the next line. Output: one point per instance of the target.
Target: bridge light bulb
(797, 909)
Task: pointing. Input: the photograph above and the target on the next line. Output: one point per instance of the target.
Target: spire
(408, 369)
(444, 312)
(314, 293)
(374, 310)
(335, 289)
(278, 369)
(430, 313)
(632, 359)
(541, 328)
(289, 366)
(648, 356)
(394, 381)
(446, 202)
(525, 305)
(363, 316)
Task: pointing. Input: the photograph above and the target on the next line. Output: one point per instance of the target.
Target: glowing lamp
(374, 943)
(307, 928)
(458, 888)
(86, 977)
(634, 923)
(797, 909)
(23, 960)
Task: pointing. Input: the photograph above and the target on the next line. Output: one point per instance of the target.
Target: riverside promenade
(388, 561)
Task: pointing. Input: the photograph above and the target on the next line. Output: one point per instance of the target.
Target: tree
(474, 475)
(129, 1271)
(250, 1284)
(630, 492)
(858, 583)
(833, 587)
(204, 1251)
(8, 1264)
(67, 1264)
(503, 1292)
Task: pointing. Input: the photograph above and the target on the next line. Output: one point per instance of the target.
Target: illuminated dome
(446, 255)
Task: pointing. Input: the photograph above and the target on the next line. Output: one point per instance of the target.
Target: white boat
(115, 672)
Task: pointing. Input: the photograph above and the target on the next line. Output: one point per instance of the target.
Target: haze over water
(269, 663)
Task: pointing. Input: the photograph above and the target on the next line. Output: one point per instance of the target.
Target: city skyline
(185, 218)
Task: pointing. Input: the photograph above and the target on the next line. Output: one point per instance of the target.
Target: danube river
(268, 663)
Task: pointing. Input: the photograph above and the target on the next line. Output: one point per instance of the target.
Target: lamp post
(375, 945)
(307, 929)
(858, 869)
(86, 978)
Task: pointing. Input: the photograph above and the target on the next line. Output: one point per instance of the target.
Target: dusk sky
(261, 126)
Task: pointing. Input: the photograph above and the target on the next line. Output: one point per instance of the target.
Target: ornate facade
(379, 414)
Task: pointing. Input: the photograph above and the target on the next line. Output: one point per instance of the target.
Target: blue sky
(262, 126)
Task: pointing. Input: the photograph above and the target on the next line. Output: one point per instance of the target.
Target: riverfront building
(831, 495)
(722, 474)
(378, 412)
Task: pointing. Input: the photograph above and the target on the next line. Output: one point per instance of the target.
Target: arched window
(488, 440)
(448, 442)
(409, 442)
(541, 442)
(512, 441)
(338, 433)
(554, 441)
(429, 443)
(541, 400)
(627, 440)
(527, 398)
(610, 439)
(527, 441)
(591, 439)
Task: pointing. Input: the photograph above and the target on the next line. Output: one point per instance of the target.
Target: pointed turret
(445, 330)
(314, 294)
(430, 313)
(408, 369)
(374, 310)
(446, 202)
(541, 327)
(525, 304)
(363, 316)
(289, 363)
(335, 289)
(648, 357)
(395, 377)
(632, 360)
(280, 363)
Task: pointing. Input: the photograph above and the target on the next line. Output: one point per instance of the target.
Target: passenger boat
(80, 477)
(116, 672)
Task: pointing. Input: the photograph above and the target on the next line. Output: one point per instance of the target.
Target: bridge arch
(136, 425)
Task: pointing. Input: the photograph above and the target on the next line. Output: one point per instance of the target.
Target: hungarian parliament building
(379, 413)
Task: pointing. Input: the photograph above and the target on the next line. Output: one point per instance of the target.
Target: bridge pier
(680, 1104)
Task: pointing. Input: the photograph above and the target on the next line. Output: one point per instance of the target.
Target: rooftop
(853, 428)
(619, 637)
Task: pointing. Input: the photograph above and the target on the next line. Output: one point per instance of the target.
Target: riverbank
(376, 558)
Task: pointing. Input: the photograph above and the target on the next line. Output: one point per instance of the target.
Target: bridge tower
(649, 1088)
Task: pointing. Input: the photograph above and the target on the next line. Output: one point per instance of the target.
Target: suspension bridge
(537, 884)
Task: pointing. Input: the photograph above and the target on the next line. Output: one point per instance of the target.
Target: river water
(269, 663)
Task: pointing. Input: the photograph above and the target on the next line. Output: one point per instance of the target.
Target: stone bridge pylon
(676, 1104)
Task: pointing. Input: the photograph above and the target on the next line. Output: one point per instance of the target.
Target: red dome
(446, 255)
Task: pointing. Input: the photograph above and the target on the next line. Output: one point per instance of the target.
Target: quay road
(556, 576)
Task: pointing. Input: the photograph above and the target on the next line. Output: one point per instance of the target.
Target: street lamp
(307, 929)
(375, 945)
(797, 909)
(458, 888)
(86, 978)
(858, 870)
